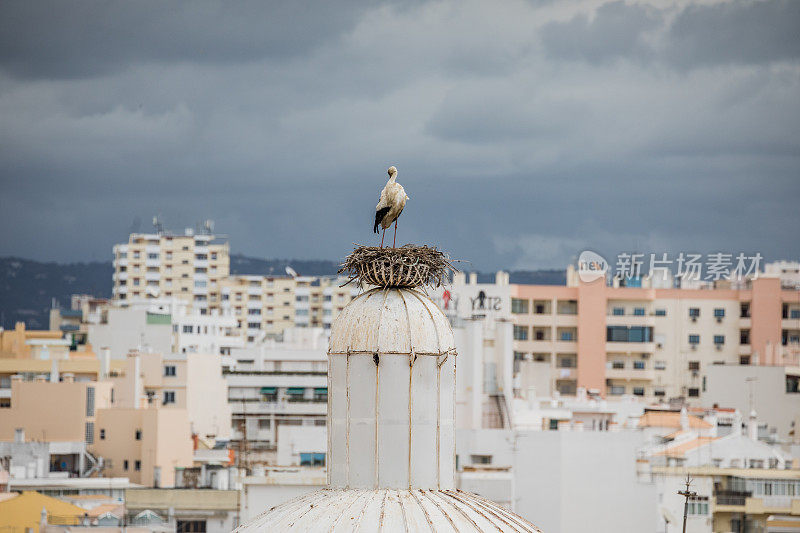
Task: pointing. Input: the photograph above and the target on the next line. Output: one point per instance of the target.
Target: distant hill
(27, 288)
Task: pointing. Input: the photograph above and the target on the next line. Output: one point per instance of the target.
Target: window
(102, 434)
(618, 365)
(191, 526)
(125, 465)
(312, 459)
(744, 310)
(694, 339)
(263, 423)
(519, 306)
(169, 397)
(638, 391)
(480, 459)
(744, 360)
(719, 339)
(659, 392)
(567, 336)
(137, 465)
(539, 309)
(638, 365)
(719, 312)
(661, 312)
(794, 313)
(138, 434)
(188, 329)
(254, 325)
(89, 433)
(694, 392)
(89, 401)
(618, 311)
(698, 505)
(694, 312)
(639, 311)
(744, 336)
(629, 334)
(321, 394)
(254, 311)
(617, 390)
(660, 365)
(152, 256)
(169, 370)
(295, 393)
(520, 333)
(694, 365)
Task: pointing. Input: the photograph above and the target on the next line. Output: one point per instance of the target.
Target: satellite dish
(290, 271)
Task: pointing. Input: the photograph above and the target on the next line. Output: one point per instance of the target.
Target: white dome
(391, 321)
(388, 510)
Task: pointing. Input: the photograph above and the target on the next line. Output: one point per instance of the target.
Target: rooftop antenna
(208, 226)
(686, 494)
(750, 382)
(158, 224)
(291, 272)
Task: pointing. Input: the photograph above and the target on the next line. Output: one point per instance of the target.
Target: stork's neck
(392, 178)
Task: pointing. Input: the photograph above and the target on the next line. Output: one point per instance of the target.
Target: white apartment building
(273, 384)
(165, 265)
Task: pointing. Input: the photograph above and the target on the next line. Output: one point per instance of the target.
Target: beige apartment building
(191, 383)
(163, 265)
(265, 306)
(650, 342)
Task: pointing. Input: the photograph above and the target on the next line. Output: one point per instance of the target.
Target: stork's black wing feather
(379, 214)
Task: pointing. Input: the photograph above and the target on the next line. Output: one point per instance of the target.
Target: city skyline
(523, 133)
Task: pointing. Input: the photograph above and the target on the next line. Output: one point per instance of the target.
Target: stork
(390, 205)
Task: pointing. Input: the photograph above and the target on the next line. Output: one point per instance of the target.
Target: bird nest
(407, 266)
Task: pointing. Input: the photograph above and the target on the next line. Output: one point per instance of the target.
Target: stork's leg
(382, 236)
(394, 241)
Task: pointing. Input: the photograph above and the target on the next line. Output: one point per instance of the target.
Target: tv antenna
(686, 494)
(290, 271)
(158, 224)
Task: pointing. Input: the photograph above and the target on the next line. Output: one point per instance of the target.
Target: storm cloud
(523, 132)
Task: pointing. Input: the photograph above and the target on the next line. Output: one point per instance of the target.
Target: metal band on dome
(381, 353)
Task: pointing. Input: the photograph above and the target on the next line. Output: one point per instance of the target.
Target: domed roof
(390, 320)
(388, 510)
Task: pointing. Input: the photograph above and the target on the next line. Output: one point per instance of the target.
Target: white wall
(294, 440)
(126, 330)
(570, 482)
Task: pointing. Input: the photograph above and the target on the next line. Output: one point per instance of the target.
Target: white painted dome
(391, 321)
(385, 510)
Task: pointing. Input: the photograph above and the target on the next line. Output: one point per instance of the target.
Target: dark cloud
(54, 39)
(615, 29)
(522, 132)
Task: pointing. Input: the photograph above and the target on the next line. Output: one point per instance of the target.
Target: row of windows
(137, 435)
(520, 306)
(695, 339)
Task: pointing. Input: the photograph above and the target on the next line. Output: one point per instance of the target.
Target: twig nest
(407, 266)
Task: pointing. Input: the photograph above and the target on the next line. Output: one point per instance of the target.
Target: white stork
(390, 205)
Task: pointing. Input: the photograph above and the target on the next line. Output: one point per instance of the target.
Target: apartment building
(651, 342)
(277, 384)
(265, 306)
(188, 267)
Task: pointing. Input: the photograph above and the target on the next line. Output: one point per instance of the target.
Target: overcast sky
(523, 132)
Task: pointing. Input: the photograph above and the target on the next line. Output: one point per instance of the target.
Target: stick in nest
(407, 266)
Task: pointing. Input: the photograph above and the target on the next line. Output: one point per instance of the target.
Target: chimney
(19, 435)
(737, 423)
(712, 419)
(105, 362)
(54, 371)
(752, 426)
(684, 419)
(473, 278)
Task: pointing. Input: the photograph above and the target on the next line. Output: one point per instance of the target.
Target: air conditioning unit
(694, 346)
(659, 345)
(719, 320)
(694, 319)
(695, 373)
(719, 347)
(645, 356)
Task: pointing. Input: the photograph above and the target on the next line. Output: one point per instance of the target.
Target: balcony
(152, 276)
(630, 320)
(284, 408)
(152, 262)
(630, 347)
(745, 323)
(790, 323)
(630, 374)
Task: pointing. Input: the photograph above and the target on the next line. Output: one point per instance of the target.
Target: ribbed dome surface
(391, 321)
(388, 510)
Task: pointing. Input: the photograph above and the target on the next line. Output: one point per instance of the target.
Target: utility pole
(686, 494)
